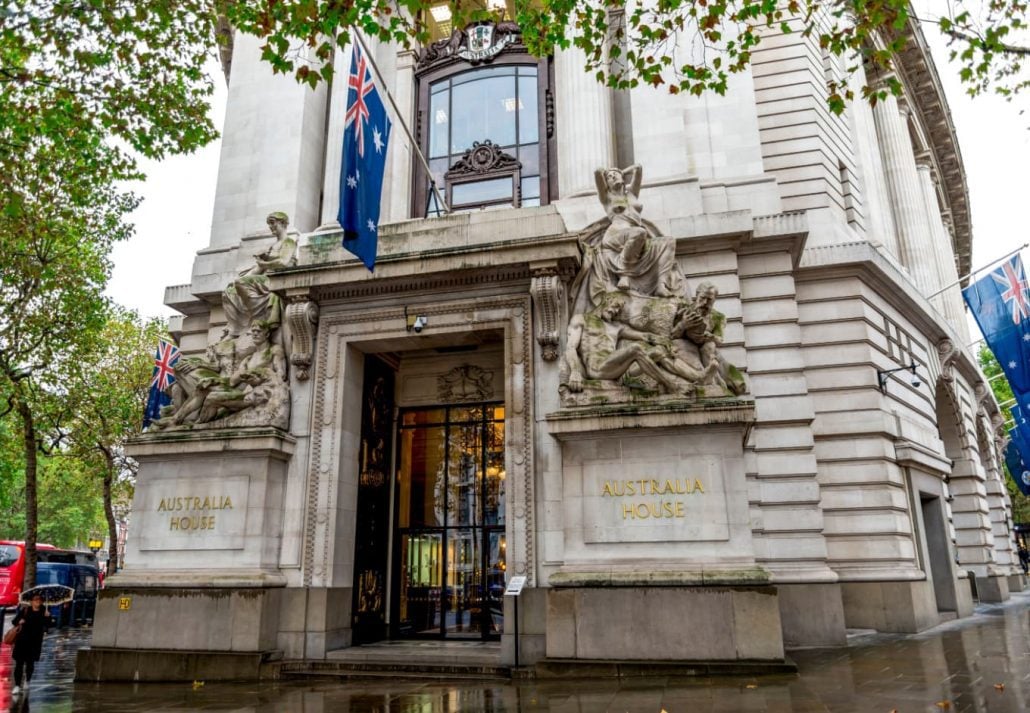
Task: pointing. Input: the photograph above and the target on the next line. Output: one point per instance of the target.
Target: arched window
(483, 122)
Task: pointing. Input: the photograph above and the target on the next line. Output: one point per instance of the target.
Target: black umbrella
(52, 594)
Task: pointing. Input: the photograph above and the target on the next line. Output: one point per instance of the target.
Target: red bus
(12, 570)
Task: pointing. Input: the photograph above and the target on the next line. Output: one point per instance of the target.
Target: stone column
(272, 147)
(397, 191)
(906, 196)
(949, 303)
(583, 110)
(334, 139)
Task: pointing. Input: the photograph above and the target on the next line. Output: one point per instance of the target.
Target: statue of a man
(592, 349)
(708, 333)
(249, 298)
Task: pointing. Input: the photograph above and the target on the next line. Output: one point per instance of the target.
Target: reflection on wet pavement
(978, 664)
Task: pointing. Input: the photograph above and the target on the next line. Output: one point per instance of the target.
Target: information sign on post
(514, 589)
(515, 585)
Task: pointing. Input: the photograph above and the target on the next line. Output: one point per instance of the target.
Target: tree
(1003, 394)
(684, 45)
(132, 71)
(109, 390)
(58, 222)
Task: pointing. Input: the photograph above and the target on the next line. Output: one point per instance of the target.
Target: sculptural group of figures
(242, 378)
(635, 326)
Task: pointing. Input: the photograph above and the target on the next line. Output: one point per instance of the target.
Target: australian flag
(367, 130)
(1017, 455)
(165, 358)
(1000, 302)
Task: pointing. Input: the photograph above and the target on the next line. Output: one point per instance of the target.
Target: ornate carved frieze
(479, 42)
(483, 158)
(548, 291)
(301, 316)
(467, 382)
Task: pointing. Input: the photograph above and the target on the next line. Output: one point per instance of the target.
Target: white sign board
(515, 585)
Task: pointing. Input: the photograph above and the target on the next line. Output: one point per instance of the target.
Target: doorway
(449, 540)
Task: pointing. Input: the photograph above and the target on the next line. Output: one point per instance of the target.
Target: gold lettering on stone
(197, 504)
(655, 509)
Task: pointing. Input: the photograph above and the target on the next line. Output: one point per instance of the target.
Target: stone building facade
(434, 449)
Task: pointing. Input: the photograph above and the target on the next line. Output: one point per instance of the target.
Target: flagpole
(979, 269)
(400, 119)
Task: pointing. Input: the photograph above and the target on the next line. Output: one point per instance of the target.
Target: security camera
(420, 323)
(915, 380)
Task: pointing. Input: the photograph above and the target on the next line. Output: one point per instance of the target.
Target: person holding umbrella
(32, 622)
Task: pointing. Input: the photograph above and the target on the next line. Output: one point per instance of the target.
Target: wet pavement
(981, 664)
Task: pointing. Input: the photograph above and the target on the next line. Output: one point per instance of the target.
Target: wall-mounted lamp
(882, 374)
(415, 322)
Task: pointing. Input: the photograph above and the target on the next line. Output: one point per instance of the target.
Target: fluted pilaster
(583, 112)
(397, 192)
(909, 207)
(950, 301)
(334, 138)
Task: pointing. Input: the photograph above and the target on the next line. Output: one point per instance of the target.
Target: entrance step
(583, 668)
(414, 659)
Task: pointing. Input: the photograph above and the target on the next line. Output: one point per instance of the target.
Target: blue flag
(1016, 463)
(364, 162)
(165, 359)
(1000, 302)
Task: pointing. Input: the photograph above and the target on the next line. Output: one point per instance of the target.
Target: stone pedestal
(993, 588)
(201, 570)
(659, 561)
(655, 617)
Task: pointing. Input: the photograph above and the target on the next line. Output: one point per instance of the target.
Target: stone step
(581, 668)
(387, 668)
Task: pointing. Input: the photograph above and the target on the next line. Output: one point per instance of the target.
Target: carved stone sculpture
(249, 299)
(242, 378)
(635, 330)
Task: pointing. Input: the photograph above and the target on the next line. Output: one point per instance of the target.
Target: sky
(174, 220)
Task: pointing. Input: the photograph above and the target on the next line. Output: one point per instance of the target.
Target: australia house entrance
(430, 551)
(449, 541)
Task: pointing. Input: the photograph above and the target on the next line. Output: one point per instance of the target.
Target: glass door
(450, 522)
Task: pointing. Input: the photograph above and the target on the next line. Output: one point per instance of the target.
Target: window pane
(529, 157)
(493, 507)
(495, 567)
(483, 109)
(464, 473)
(481, 191)
(464, 581)
(422, 417)
(528, 128)
(420, 477)
(439, 123)
(530, 188)
(421, 560)
(463, 414)
(530, 202)
(484, 73)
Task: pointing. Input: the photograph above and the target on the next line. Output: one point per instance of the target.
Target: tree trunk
(31, 512)
(112, 524)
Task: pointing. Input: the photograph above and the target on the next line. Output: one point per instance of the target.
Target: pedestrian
(32, 622)
(1024, 558)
